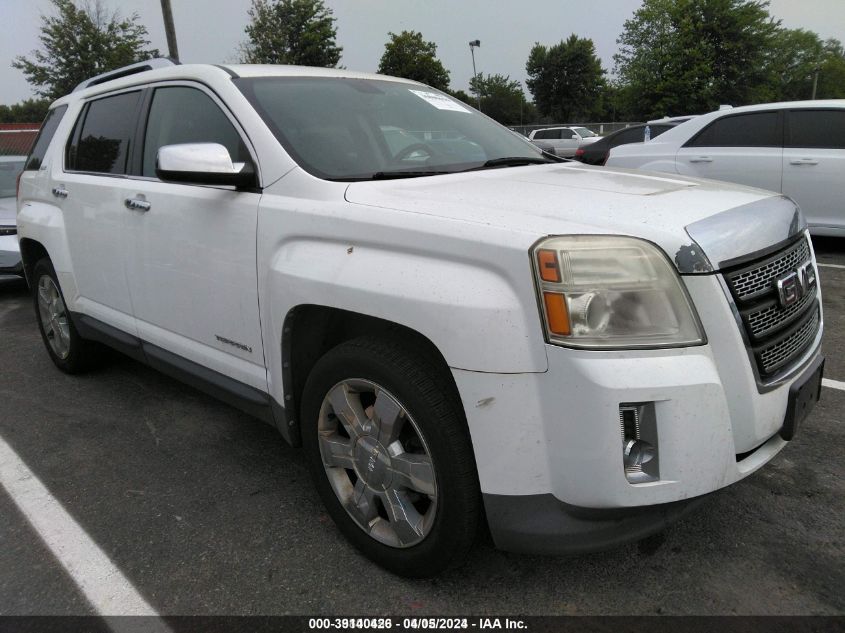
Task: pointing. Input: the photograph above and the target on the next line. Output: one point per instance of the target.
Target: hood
(574, 198)
(8, 211)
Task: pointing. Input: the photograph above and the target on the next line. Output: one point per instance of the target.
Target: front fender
(474, 316)
(469, 291)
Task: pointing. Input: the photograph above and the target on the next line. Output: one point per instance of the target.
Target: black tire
(81, 355)
(428, 395)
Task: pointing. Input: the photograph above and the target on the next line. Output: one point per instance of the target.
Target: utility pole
(815, 82)
(170, 30)
(472, 46)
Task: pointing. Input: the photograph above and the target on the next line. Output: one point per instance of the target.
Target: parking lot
(207, 511)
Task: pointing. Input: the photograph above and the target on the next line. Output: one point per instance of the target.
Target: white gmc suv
(454, 328)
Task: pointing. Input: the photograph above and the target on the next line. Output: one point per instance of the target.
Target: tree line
(675, 57)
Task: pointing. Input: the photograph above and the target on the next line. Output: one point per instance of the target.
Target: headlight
(607, 292)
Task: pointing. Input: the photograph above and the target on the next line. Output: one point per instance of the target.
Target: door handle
(60, 192)
(136, 204)
(804, 161)
(701, 159)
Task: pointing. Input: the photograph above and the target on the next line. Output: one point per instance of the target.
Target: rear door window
(816, 128)
(168, 125)
(45, 135)
(104, 135)
(757, 129)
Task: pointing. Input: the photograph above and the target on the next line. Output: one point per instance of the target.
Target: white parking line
(108, 590)
(833, 384)
(831, 265)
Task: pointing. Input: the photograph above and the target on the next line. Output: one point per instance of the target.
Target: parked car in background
(562, 141)
(797, 148)
(10, 255)
(595, 153)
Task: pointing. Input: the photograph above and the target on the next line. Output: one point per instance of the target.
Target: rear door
(814, 165)
(743, 148)
(89, 193)
(191, 248)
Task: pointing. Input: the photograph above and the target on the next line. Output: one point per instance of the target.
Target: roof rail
(149, 64)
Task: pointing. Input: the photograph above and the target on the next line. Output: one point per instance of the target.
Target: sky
(209, 31)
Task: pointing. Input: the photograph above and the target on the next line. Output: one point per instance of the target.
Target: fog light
(639, 442)
(637, 453)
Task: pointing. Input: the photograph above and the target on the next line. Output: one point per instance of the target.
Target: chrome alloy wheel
(53, 315)
(377, 462)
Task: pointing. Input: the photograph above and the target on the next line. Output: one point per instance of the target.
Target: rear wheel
(391, 455)
(69, 351)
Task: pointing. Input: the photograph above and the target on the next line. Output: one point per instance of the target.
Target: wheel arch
(311, 330)
(31, 251)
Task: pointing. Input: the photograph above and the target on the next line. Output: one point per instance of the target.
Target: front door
(191, 248)
(743, 148)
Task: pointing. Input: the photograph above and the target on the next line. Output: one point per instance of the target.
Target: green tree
(28, 111)
(501, 98)
(688, 56)
(408, 55)
(794, 59)
(300, 32)
(831, 80)
(80, 42)
(567, 79)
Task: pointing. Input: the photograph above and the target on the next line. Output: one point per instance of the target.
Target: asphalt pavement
(207, 511)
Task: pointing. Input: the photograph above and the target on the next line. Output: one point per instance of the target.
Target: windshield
(360, 129)
(584, 132)
(9, 171)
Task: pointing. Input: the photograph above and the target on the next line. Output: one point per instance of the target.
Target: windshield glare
(355, 129)
(584, 132)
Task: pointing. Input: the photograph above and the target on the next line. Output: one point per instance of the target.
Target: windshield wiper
(391, 175)
(514, 161)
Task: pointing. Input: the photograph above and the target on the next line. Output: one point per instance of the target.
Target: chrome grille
(746, 283)
(771, 317)
(775, 335)
(777, 355)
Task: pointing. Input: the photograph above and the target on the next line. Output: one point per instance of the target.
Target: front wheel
(391, 456)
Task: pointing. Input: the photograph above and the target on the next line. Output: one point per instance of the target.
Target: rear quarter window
(45, 135)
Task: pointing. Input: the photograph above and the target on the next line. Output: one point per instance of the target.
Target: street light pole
(472, 46)
(169, 30)
(815, 82)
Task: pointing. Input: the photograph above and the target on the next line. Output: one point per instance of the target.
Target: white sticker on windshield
(441, 102)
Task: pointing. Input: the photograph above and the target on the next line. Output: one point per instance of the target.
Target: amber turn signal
(557, 316)
(548, 266)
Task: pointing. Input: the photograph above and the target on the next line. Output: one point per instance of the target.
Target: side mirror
(202, 164)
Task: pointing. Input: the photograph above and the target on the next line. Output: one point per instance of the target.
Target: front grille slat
(778, 354)
(777, 336)
(757, 279)
(772, 318)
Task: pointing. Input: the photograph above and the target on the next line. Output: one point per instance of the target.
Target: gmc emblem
(793, 286)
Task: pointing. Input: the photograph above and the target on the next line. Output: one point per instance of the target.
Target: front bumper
(10, 255)
(542, 524)
(548, 445)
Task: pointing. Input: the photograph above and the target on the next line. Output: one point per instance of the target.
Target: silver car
(10, 255)
(562, 141)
